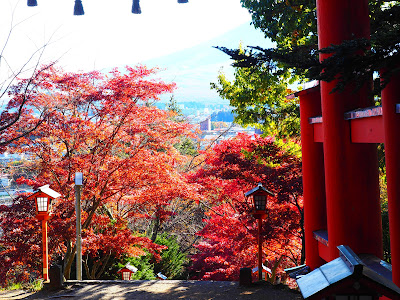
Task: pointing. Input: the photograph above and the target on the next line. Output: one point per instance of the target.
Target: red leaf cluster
(230, 235)
(20, 242)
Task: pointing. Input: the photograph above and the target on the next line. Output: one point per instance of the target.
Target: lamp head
(78, 178)
(259, 196)
(78, 8)
(44, 198)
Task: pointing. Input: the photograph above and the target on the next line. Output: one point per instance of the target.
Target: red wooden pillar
(351, 172)
(45, 251)
(313, 175)
(391, 120)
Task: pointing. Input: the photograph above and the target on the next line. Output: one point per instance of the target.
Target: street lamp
(44, 198)
(259, 197)
(78, 190)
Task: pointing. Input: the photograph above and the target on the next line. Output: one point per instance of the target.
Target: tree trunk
(68, 260)
(156, 228)
(104, 265)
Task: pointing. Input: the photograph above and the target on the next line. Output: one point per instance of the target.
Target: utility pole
(78, 188)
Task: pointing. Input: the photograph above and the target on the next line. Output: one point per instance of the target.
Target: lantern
(127, 271)
(259, 195)
(44, 197)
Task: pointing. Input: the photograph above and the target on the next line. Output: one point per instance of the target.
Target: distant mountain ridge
(193, 69)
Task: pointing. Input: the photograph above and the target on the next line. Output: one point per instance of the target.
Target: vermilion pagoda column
(391, 119)
(351, 172)
(313, 175)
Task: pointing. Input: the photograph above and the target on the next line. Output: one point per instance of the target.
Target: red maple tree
(230, 235)
(106, 127)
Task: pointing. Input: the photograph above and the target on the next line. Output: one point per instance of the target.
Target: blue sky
(175, 36)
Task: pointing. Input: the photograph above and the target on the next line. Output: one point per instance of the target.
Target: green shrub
(144, 266)
(172, 259)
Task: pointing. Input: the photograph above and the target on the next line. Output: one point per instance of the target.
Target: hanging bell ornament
(136, 7)
(78, 8)
(32, 3)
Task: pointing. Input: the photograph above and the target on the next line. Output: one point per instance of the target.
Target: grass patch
(15, 286)
(34, 286)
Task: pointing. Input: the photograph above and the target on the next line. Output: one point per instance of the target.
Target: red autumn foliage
(106, 127)
(230, 235)
(20, 242)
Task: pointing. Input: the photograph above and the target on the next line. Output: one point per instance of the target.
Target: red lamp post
(44, 197)
(259, 196)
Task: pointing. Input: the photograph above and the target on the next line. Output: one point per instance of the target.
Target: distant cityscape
(9, 189)
(215, 120)
(197, 111)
